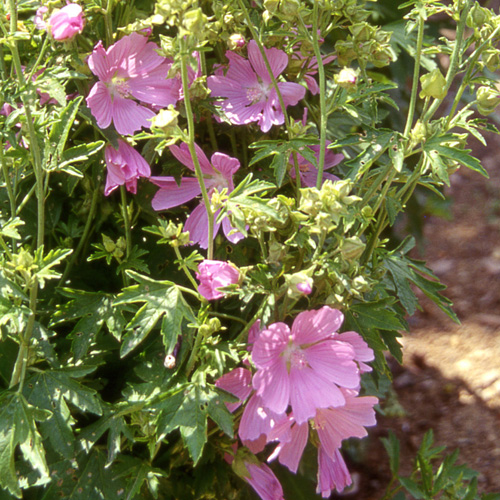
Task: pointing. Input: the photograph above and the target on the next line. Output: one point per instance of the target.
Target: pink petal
(99, 102)
(335, 362)
(273, 385)
(256, 420)
(270, 345)
(290, 453)
(237, 382)
(361, 350)
(233, 237)
(310, 392)
(264, 482)
(312, 326)
(336, 424)
(197, 225)
(291, 92)
(278, 60)
(128, 116)
(240, 70)
(225, 164)
(312, 85)
(171, 194)
(332, 473)
(184, 156)
(99, 64)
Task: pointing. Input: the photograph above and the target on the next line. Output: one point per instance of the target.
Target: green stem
(184, 268)
(244, 333)
(322, 98)
(228, 316)
(8, 184)
(416, 74)
(39, 58)
(454, 62)
(126, 224)
(19, 372)
(83, 239)
(108, 22)
(194, 352)
(199, 174)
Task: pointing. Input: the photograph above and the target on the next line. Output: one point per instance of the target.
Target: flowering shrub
(145, 355)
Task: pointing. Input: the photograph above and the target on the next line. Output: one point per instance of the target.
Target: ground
(450, 379)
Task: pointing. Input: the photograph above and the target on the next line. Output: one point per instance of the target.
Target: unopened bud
(487, 100)
(433, 85)
(347, 78)
(166, 119)
(236, 41)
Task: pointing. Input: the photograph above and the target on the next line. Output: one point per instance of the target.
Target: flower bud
(271, 5)
(477, 16)
(236, 41)
(108, 243)
(194, 22)
(289, 8)
(487, 100)
(298, 284)
(347, 78)
(166, 119)
(352, 248)
(491, 59)
(433, 85)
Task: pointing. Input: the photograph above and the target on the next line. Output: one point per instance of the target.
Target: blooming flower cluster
(307, 379)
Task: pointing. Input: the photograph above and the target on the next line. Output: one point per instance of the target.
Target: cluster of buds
(367, 43)
(330, 204)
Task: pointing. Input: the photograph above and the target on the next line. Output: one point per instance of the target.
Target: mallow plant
(199, 290)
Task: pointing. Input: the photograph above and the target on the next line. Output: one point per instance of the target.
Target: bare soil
(450, 380)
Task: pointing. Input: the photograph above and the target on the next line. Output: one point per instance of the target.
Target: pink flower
(64, 23)
(218, 175)
(129, 71)
(39, 18)
(214, 274)
(262, 479)
(308, 172)
(124, 166)
(247, 87)
(309, 360)
(336, 424)
(332, 473)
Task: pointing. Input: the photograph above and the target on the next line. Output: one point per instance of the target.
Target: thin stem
(19, 371)
(184, 267)
(228, 316)
(108, 22)
(8, 184)
(39, 58)
(454, 62)
(416, 74)
(192, 150)
(126, 223)
(244, 333)
(322, 98)
(83, 239)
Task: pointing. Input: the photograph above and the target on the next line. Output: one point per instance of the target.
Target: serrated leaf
(188, 411)
(412, 488)
(80, 153)
(18, 428)
(160, 298)
(50, 390)
(391, 445)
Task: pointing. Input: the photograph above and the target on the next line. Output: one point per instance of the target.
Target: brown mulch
(450, 380)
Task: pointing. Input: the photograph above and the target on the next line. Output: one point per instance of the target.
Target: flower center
(118, 86)
(257, 93)
(295, 357)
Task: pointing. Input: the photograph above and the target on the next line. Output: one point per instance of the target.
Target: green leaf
(457, 154)
(80, 153)
(188, 411)
(391, 445)
(45, 263)
(9, 229)
(50, 390)
(160, 298)
(412, 488)
(18, 427)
